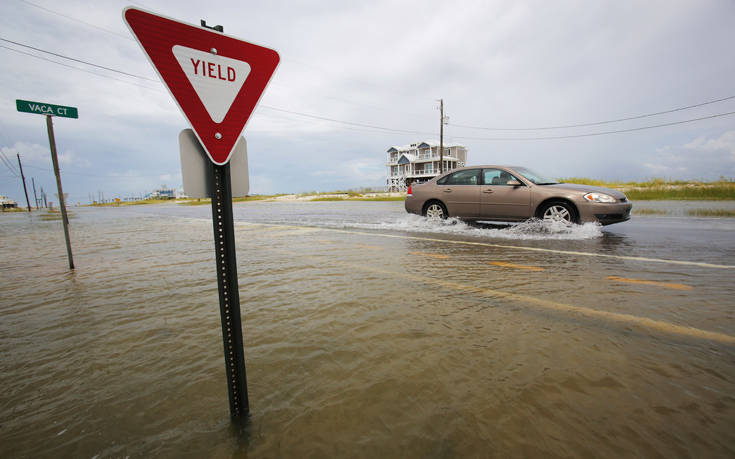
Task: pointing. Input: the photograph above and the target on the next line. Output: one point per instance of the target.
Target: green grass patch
(14, 209)
(724, 192)
(711, 213)
(645, 211)
(661, 189)
(381, 198)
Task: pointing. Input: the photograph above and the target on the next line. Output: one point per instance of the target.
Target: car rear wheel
(435, 210)
(558, 211)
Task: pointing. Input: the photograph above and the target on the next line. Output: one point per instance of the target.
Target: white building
(419, 162)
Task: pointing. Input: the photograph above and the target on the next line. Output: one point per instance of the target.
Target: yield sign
(216, 80)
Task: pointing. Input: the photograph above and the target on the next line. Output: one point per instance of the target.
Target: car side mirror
(513, 183)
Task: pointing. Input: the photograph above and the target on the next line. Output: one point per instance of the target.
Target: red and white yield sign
(216, 80)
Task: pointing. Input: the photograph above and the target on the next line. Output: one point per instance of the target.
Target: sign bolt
(217, 136)
(213, 50)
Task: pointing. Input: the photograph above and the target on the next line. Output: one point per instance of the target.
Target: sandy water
(366, 334)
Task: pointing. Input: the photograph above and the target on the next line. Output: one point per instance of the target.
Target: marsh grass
(711, 213)
(645, 211)
(671, 190)
(14, 209)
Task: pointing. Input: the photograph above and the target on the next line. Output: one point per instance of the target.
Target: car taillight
(408, 192)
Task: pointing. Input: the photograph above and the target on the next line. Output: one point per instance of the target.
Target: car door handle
(487, 191)
(448, 190)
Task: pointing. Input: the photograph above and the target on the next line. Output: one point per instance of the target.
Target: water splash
(533, 229)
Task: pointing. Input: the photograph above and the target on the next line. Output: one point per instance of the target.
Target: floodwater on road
(368, 332)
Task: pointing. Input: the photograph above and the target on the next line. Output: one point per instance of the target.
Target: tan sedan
(510, 194)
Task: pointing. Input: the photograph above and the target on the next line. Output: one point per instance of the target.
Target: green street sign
(41, 108)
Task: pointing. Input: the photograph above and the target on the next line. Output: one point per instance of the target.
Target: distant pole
(22, 177)
(35, 197)
(441, 136)
(55, 159)
(43, 198)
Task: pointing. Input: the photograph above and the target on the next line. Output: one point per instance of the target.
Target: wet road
(369, 332)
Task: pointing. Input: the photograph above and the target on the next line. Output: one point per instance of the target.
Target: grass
(55, 214)
(670, 190)
(200, 202)
(129, 203)
(711, 213)
(14, 209)
(360, 198)
(645, 211)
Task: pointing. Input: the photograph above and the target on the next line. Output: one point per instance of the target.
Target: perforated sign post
(216, 81)
(50, 110)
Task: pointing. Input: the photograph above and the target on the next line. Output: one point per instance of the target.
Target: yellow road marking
(625, 319)
(431, 255)
(371, 247)
(504, 264)
(650, 282)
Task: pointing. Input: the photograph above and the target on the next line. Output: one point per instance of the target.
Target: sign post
(216, 81)
(50, 110)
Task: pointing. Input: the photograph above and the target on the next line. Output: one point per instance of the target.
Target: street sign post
(216, 81)
(51, 110)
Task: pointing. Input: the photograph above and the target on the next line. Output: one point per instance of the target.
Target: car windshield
(538, 179)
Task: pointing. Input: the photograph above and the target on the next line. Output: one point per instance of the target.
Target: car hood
(585, 189)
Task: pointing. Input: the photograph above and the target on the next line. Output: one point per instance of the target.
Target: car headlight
(599, 197)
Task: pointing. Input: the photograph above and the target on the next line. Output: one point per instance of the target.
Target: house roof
(422, 144)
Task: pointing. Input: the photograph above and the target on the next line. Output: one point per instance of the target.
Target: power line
(597, 123)
(8, 164)
(77, 68)
(149, 79)
(76, 20)
(349, 123)
(77, 60)
(406, 131)
(591, 134)
(291, 60)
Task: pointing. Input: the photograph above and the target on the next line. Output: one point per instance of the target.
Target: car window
(466, 177)
(496, 177)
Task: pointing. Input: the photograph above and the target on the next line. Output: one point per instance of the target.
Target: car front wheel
(558, 211)
(435, 211)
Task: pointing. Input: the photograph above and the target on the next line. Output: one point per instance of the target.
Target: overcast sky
(382, 64)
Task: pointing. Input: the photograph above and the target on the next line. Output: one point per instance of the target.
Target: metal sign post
(217, 81)
(50, 110)
(229, 295)
(62, 204)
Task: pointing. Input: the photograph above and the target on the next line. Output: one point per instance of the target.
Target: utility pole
(441, 136)
(43, 197)
(22, 177)
(35, 198)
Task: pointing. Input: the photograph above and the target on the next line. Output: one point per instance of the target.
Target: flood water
(368, 333)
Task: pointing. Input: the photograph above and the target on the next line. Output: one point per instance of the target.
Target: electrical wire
(597, 123)
(8, 164)
(591, 134)
(77, 60)
(565, 126)
(406, 131)
(348, 123)
(81, 70)
(76, 20)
